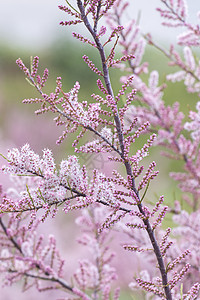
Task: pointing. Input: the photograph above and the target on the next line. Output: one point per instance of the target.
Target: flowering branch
(25, 264)
(166, 121)
(124, 159)
(113, 201)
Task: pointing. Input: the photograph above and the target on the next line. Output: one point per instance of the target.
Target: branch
(61, 282)
(126, 163)
(15, 244)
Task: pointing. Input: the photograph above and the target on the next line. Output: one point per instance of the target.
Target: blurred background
(29, 28)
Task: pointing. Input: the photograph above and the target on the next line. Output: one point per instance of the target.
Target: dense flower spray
(116, 202)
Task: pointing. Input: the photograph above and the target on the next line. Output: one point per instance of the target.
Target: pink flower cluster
(168, 260)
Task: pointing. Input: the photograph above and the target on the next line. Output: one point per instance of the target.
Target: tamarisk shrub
(116, 202)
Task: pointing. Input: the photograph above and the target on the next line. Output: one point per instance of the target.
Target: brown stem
(149, 229)
(16, 245)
